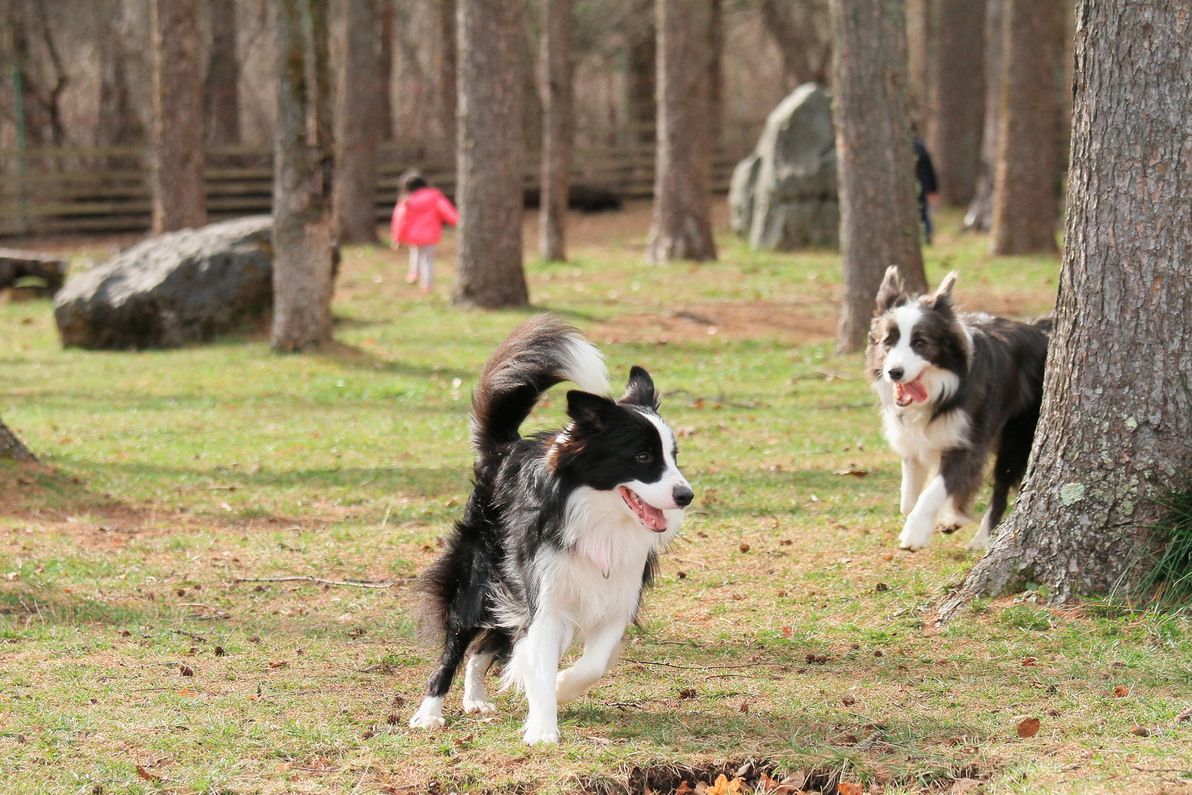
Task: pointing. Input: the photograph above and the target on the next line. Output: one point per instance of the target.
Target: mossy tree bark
(1116, 427)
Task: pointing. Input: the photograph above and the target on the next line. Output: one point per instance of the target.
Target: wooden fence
(59, 191)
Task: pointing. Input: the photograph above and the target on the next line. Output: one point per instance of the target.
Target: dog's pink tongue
(653, 518)
(915, 390)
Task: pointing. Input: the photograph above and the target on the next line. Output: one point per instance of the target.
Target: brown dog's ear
(891, 292)
(942, 298)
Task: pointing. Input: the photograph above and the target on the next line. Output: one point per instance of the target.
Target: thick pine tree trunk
(489, 155)
(358, 137)
(879, 220)
(303, 171)
(957, 109)
(11, 447)
(556, 128)
(1116, 427)
(179, 192)
(1025, 204)
(682, 227)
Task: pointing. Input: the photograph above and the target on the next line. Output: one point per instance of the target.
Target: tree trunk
(920, 44)
(303, 171)
(957, 109)
(448, 69)
(385, 35)
(557, 23)
(489, 156)
(11, 447)
(800, 30)
(879, 224)
(117, 123)
(222, 87)
(358, 135)
(1116, 427)
(1025, 201)
(179, 192)
(682, 227)
(641, 113)
(979, 217)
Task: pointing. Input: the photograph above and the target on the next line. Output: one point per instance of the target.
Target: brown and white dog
(953, 388)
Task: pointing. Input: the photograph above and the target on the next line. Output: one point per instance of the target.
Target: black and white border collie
(560, 534)
(953, 389)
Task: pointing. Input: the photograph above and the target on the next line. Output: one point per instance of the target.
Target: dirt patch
(787, 321)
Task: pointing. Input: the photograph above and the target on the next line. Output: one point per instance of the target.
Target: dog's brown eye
(644, 458)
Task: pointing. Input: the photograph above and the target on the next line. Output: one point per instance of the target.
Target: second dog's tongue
(914, 390)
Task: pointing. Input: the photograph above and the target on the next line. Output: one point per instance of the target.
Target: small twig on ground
(720, 400)
(191, 635)
(693, 667)
(321, 581)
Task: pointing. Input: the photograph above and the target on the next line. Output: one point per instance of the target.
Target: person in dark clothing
(928, 188)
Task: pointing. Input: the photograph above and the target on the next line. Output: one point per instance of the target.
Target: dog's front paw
(479, 706)
(541, 735)
(914, 538)
(420, 721)
(429, 715)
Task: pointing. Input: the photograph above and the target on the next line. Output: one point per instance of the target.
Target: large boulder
(783, 196)
(177, 289)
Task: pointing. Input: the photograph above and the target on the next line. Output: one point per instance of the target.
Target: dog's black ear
(640, 390)
(589, 411)
(941, 300)
(891, 292)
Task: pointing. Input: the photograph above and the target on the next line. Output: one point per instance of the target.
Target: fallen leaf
(725, 787)
(1141, 731)
(1121, 691)
(849, 788)
(186, 670)
(684, 789)
(145, 774)
(856, 473)
(1029, 727)
(1030, 661)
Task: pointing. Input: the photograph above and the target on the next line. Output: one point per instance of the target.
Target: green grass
(178, 488)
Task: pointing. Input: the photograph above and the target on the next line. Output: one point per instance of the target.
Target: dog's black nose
(683, 496)
(896, 373)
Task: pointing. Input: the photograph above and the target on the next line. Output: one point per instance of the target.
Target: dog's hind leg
(430, 712)
(601, 648)
(490, 645)
(1013, 452)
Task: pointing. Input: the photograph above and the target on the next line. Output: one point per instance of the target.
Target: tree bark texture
(385, 33)
(11, 447)
(558, 94)
(179, 191)
(222, 87)
(979, 216)
(1025, 200)
(957, 109)
(358, 134)
(489, 155)
(879, 223)
(304, 167)
(448, 68)
(1116, 426)
(682, 227)
(800, 32)
(641, 69)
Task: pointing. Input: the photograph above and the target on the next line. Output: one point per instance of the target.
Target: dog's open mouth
(651, 518)
(910, 392)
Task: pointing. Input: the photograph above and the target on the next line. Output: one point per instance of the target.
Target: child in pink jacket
(418, 222)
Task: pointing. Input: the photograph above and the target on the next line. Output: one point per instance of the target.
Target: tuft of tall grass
(1169, 580)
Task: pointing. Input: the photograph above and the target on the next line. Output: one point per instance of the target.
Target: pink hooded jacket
(419, 219)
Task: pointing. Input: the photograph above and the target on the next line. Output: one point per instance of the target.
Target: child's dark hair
(411, 181)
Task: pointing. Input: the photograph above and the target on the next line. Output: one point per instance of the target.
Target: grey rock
(177, 289)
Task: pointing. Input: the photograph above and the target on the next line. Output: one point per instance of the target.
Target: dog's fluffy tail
(541, 352)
